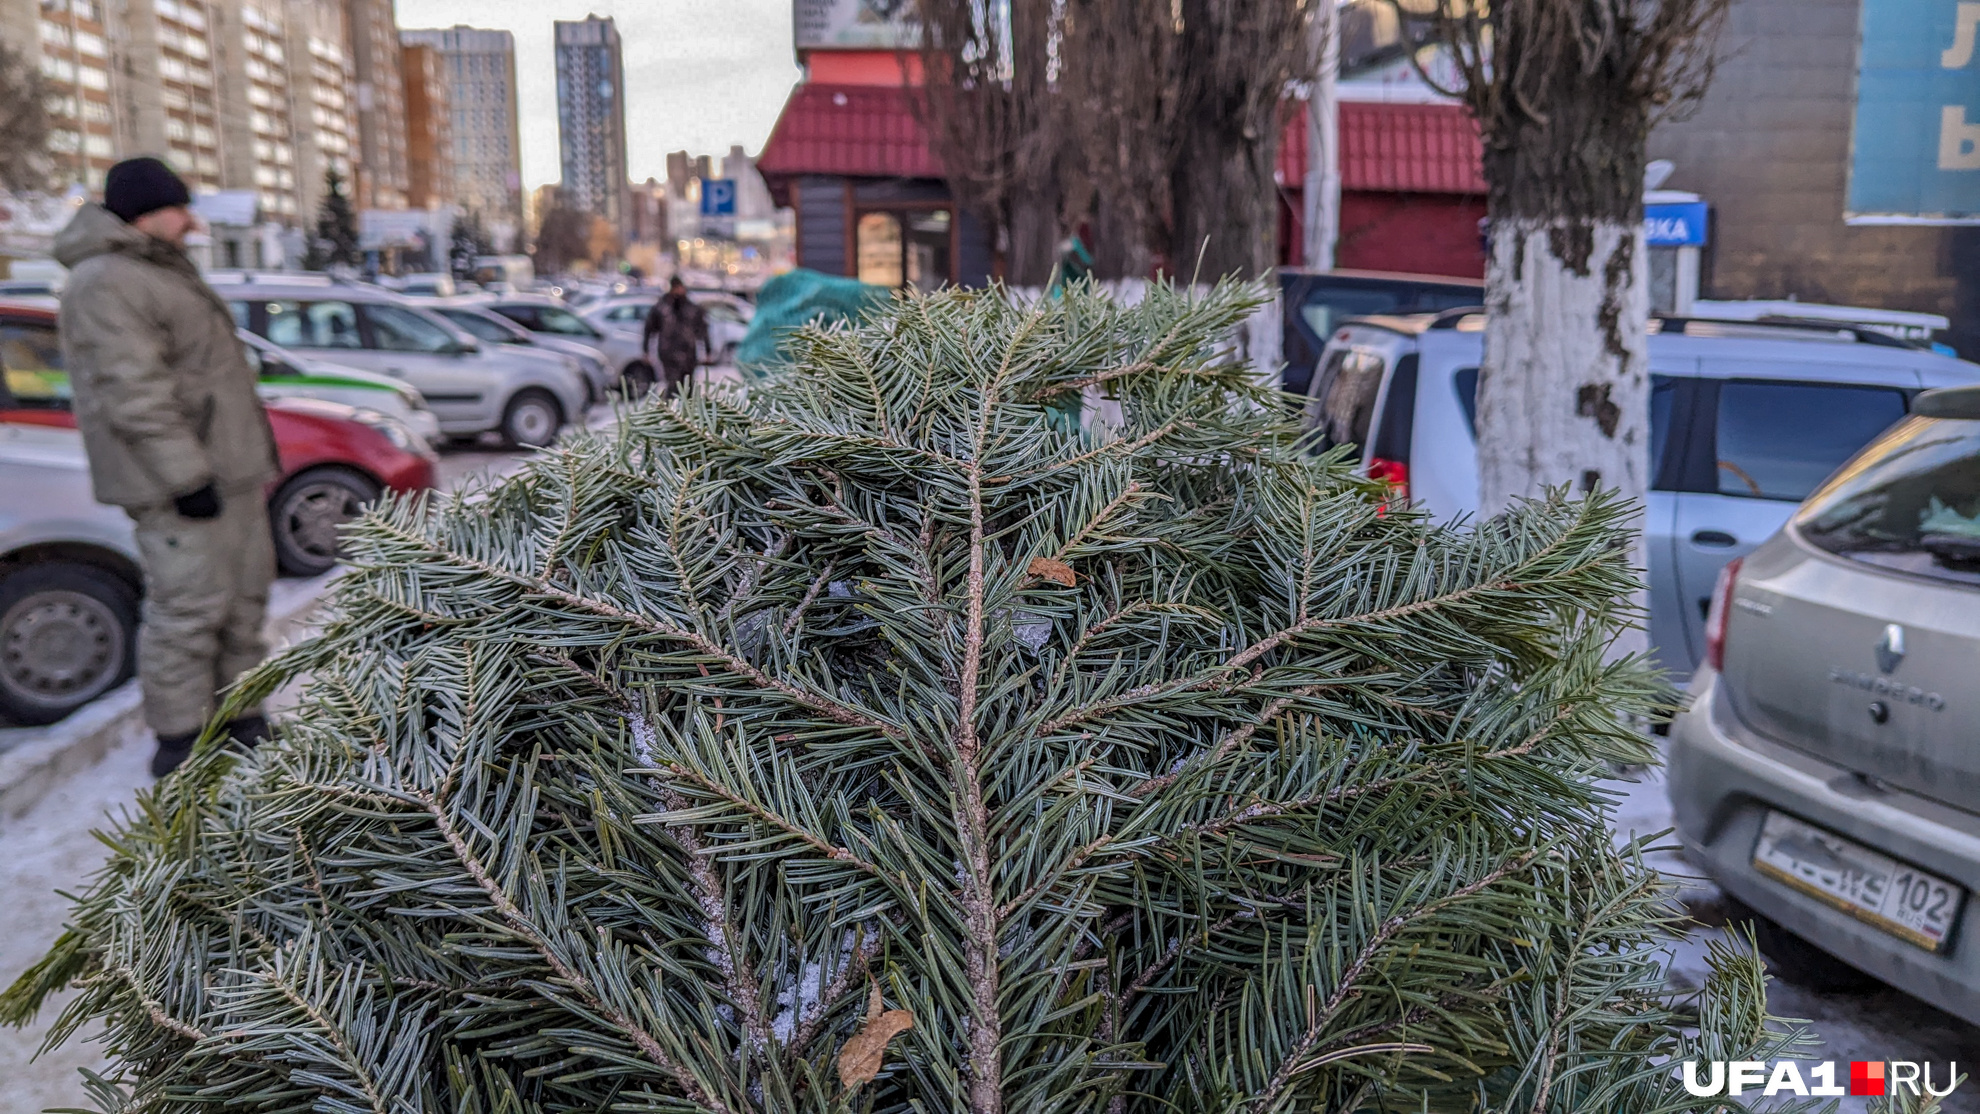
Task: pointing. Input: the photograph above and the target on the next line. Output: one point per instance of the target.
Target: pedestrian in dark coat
(177, 437)
(675, 337)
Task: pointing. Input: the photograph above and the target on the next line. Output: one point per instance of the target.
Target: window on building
(908, 248)
(877, 248)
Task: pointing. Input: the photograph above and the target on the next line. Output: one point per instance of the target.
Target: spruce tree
(869, 741)
(336, 239)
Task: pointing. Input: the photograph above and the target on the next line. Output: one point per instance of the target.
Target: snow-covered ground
(1882, 1025)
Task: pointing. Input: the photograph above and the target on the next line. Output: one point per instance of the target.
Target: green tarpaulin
(795, 299)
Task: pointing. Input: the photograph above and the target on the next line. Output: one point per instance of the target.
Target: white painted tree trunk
(1564, 393)
(1321, 203)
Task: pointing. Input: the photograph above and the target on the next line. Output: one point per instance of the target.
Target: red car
(336, 459)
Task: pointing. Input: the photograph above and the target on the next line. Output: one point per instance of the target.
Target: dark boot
(172, 751)
(249, 731)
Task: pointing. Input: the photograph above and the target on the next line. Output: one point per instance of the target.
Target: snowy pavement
(1881, 1025)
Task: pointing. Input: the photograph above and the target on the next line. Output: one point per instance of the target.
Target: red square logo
(1866, 1077)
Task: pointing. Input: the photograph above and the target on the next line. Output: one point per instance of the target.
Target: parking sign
(718, 197)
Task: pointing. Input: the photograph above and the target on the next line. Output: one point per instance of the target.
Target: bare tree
(23, 122)
(1565, 92)
(1239, 60)
(1154, 123)
(987, 103)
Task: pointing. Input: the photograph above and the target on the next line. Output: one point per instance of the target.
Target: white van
(1746, 420)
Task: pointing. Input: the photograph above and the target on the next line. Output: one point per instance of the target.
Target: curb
(36, 759)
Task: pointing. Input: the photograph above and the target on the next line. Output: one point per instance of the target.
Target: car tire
(531, 419)
(68, 634)
(637, 381)
(1800, 963)
(308, 510)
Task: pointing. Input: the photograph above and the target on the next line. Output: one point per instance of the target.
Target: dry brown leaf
(1058, 572)
(859, 1060)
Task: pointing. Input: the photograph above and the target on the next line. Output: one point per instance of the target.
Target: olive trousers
(205, 600)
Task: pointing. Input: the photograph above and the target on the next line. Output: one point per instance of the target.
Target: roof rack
(1829, 329)
(1672, 323)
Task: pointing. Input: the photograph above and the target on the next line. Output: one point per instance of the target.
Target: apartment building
(429, 127)
(69, 39)
(257, 105)
(381, 104)
(591, 117)
(169, 96)
(323, 93)
(481, 99)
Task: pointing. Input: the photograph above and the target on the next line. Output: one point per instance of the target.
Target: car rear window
(1663, 395)
(1910, 502)
(1780, 440)
(1347, 401)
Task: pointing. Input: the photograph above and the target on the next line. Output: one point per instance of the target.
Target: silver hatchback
(1827, 770)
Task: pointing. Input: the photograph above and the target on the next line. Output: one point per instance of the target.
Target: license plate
(1897, 897)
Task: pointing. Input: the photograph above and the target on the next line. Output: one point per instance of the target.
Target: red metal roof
(1394, 148)
(870, 131)
(864, 131)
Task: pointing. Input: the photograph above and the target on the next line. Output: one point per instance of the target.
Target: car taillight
(1715, 619)
(1392, 472)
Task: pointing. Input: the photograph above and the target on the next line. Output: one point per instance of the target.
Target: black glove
(204, 503)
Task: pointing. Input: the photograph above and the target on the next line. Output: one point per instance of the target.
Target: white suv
(1745, 420)
(525, 395)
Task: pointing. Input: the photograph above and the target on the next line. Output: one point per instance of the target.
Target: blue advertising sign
(1675, 225)
(1915, 149)
(718, 197)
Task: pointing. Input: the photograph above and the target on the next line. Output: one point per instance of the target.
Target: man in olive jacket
(177, 437)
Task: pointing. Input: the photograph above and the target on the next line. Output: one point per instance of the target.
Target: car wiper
(1952, 549)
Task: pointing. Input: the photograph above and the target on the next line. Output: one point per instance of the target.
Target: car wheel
(68, 634)
(308, 511)
(1801, 963)
(637, 380)
(531, 419)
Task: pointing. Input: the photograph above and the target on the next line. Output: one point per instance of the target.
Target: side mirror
(464, 348)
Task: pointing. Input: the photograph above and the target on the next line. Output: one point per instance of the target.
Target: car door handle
(1714, 539)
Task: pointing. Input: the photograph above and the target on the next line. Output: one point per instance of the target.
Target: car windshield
(397, 329)
(564, 323)
(483, 328)
(1910, 502)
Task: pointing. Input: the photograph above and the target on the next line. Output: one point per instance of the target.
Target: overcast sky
(700, 74)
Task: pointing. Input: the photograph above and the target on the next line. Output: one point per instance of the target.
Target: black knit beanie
(138, 186)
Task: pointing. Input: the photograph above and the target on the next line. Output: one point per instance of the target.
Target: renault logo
(1890, 651)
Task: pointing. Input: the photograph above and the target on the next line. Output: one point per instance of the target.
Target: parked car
(490, 327)
(286, 374)
(1745, 420)
(525, 395)
(1825, 772)
(546, 316)
(728, 318)
(1314, 303)
(69, 580)
(335, 458)
(436, 284)
(31, 352)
